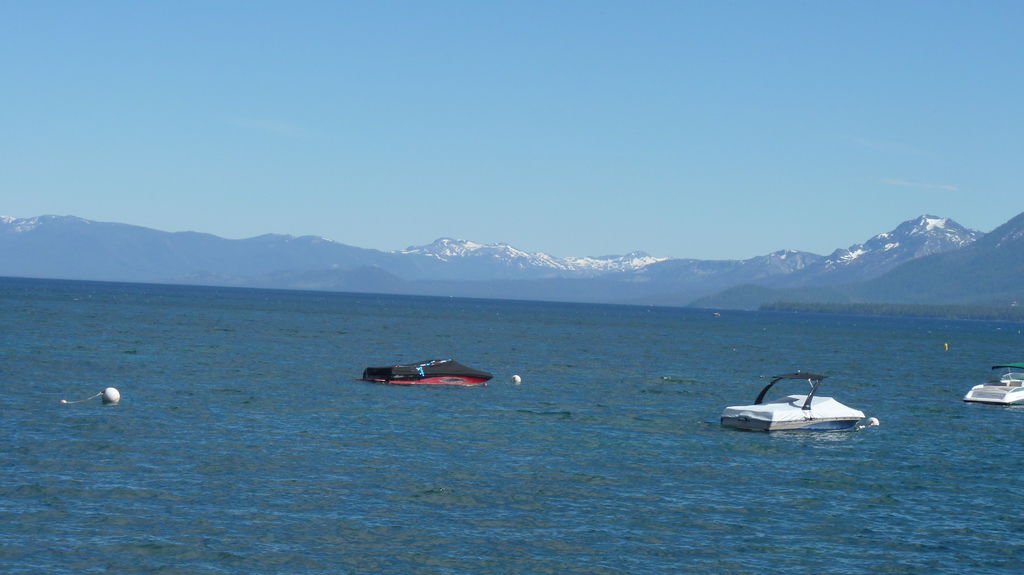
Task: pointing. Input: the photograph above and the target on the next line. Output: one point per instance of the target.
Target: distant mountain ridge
(970, 270)
(74, 248)
(989, 271)
(452, 250)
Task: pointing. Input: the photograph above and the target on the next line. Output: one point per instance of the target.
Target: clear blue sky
(686, 129)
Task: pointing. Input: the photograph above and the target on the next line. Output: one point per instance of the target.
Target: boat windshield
(1012, 378)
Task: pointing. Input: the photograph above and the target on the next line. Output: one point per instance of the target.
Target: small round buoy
(516, 379)
(111, 395)
(873, 422)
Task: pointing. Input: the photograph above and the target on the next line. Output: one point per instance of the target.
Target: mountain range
(925, 260)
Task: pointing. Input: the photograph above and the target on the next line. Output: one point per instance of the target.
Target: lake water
(245, 444)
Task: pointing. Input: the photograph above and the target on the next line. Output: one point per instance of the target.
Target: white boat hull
(995, 394)
(787, 414)
(818, 424)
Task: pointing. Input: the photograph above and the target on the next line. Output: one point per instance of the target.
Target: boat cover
(424, 369)
(790, 408)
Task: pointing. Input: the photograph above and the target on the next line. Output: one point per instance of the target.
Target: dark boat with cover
(429, 372)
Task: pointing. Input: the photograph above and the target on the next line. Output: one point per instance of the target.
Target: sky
(687, 129)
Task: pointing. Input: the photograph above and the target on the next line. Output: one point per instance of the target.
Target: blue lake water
(245, 444)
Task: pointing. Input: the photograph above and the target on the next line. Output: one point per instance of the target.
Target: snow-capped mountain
(450, 250)
(986, 272)
(631, 262)
(912, 239)
(23, 225)
(464, 253)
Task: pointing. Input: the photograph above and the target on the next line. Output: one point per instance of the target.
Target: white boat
(793, 412)
(1007, 390)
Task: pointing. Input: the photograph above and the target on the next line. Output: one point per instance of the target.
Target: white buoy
(516, 379)
(111, 396)
(866, 423)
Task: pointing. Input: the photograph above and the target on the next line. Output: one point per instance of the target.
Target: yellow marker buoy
(947, 346)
